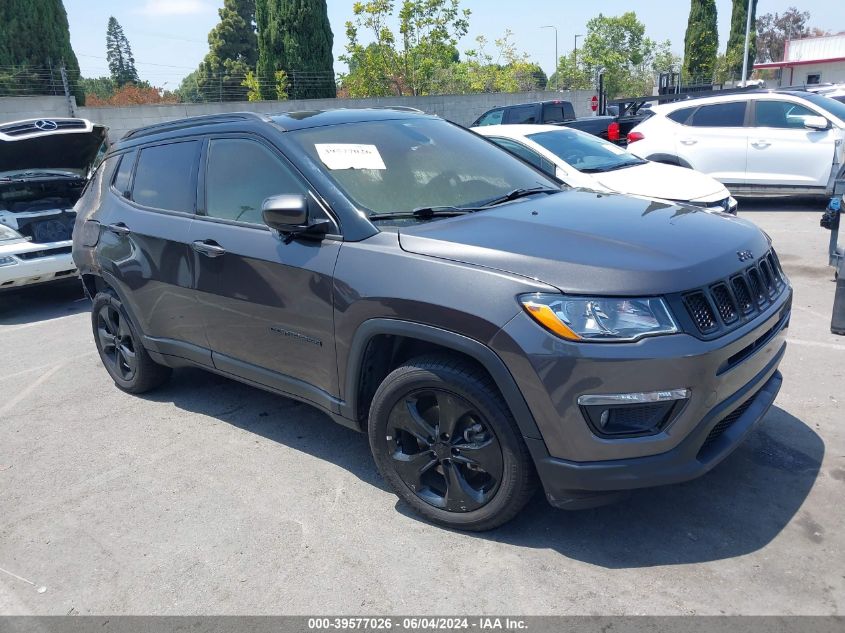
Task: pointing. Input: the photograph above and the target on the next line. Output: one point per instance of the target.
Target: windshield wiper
(518, 193)
(423, 213)
(601, 170)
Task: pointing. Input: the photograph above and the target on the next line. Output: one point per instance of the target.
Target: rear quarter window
(124, 173)
(681, 116)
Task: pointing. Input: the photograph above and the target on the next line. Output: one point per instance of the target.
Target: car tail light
(613, 131)
(635, 136)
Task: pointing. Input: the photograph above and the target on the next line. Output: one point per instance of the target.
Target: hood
(50, 144)
(593, 243)
(669, 182)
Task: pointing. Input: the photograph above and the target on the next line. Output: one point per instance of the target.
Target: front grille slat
(727, 303)
(701, 312)
(724, 303)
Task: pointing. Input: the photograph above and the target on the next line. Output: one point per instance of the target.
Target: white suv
(766, 142)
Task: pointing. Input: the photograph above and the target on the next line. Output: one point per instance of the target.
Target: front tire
(444, 439)
(120, 347)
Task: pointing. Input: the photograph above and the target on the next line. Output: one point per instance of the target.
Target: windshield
(405, 164)
(584, 152)
(836, 108)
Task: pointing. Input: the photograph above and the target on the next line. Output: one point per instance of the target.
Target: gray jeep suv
(412, 280)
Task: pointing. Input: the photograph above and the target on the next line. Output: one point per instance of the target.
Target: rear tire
(120, 348)
(444, 439)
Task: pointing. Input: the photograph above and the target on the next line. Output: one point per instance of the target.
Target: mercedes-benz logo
(45, 125)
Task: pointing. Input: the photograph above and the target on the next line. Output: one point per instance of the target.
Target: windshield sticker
(349, 156)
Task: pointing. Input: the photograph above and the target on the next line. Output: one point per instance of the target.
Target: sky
(169, 37)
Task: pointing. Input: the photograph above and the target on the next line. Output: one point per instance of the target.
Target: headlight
(600, 319)
(7, 233)
(7, 261)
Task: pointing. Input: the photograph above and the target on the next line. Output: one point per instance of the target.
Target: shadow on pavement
(738, 508)
(782, 204)
(42, 303)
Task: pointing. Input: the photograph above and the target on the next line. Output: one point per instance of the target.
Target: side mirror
(288, 214)
(816, 123)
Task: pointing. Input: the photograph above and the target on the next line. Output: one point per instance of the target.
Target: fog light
(632, 414)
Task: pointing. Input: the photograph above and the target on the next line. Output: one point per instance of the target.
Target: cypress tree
(233, 52)
(736, 42)
(119, 55)
(35, 40)
(701, 43)
(295, 36)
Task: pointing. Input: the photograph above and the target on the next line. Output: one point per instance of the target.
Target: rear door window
(720, 115)
(525, 153)
(166, 177)
(521, 114)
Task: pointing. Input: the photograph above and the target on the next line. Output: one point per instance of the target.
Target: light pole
(745, 50)
(575, 53)
(557, 59)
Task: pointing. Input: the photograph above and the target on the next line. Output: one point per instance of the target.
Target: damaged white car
(44, 165)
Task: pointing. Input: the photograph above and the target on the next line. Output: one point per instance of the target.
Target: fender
(669, 159)
(485, 356)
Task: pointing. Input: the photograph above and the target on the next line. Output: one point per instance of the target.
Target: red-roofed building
(809, 61)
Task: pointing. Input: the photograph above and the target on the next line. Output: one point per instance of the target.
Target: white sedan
(582, 160)
(24, 263)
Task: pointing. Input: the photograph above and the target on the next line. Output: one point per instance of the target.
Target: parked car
(44, 165)
(410, 279)
(527, 113)
(613, 127)
(757, 143)
(582, 160)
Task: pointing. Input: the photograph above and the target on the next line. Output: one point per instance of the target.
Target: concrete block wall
(18, 108)
(462, 109)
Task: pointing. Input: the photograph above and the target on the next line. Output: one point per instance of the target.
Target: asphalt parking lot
(208, 496)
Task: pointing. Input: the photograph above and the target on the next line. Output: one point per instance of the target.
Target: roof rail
(205, 119)
(399, 108)
(631, 105)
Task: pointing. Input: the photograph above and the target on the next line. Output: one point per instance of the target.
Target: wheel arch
(380, 345)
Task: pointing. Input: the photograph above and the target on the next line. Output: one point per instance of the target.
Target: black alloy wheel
(444, 450)
(116, 342)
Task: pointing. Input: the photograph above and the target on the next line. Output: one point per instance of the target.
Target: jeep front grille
(728, 303)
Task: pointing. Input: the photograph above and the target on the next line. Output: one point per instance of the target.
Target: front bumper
(35, 264)
(733, 381)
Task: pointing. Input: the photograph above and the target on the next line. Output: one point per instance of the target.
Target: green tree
(103, 88)
(571, 74)
(34, 43)
(701, 44)
(295, 36)
(618, 46)
(774, 29)
(233, 52)
(504, 70)
(410, 62)
(736, 41)
(119, 55)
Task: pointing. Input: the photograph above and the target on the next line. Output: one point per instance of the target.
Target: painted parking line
(834, 346)
(38, 588)
(11, 404)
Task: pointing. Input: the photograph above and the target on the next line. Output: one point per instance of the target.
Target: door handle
(209, 248)
(688, 141)
(119, 228)
(760, 144)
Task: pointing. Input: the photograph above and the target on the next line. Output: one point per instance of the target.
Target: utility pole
(557, 59)
(66, 87)
(747, 38)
